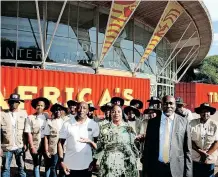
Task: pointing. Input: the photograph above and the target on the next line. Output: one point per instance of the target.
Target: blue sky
(212, 8)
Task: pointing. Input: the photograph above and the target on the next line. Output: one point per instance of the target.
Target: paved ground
(29, 163)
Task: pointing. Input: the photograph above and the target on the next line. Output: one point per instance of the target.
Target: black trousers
(80, 173)
(163, 170)
(203, 170)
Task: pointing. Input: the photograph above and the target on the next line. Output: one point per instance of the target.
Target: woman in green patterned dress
(116, 140)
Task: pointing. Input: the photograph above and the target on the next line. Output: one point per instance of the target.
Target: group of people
(165, 138)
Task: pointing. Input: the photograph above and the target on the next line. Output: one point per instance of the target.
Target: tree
(208, 70)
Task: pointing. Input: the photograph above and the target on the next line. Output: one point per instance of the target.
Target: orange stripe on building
(116, 11)
(108, 42)
(118, 19)
(117, 25)
(112, 30)
(111, 37)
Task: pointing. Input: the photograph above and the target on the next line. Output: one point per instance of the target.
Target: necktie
(166, 146)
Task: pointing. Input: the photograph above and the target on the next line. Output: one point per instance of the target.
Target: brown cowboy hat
(14, 97)
(205, 106)
(137, 103)
(152, 107)
(36, 100)
(106, 107)
(179, 101)
(131, 108)
(115, 99)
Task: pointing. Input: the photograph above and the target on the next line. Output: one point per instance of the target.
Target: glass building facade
(78, 41)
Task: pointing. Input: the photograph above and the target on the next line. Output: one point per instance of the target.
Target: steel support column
(187, 68)
(40, 33)
(18, 7)
(176, 53)
(56, 27)
(44, 24)
(185, 61)
(175, 47)
(97, 31)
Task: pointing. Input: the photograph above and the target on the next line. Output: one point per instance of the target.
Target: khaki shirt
(52, 129)
(35, 124)
(12, 135)
(204, 136)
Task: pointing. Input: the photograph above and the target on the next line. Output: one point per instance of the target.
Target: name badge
(89, 129)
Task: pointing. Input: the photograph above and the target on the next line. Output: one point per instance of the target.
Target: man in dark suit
(167, 150)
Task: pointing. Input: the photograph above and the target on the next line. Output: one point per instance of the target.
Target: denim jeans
(6, 162)
(37, 158)
(51, 164)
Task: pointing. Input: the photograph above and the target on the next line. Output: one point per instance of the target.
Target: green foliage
(209, 70)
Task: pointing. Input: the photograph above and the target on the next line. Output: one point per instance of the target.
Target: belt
(163, 163)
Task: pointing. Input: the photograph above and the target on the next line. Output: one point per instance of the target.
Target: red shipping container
(200, 93)
(62, 86)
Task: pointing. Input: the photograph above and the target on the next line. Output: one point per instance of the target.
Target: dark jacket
(180, 153)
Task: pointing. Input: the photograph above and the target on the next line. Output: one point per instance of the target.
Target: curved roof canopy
(150, 12)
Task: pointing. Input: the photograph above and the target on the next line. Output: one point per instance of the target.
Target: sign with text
(60, 87)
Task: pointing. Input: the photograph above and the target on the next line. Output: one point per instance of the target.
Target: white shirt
(14, 124)
(162, 133)
(42, 123)
(78, 155)
(59, 121)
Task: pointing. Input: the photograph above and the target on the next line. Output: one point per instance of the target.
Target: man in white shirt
(81, 134)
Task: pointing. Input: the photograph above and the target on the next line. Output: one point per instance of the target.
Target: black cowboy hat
(72, 103)
(152, 107)
(179, 101)
(106, 107)
(205, 106)
(115, 99)
(154, 100)
(55, 106)
(137, 103)
(92, 107)
(36, 100)
(14, 97)
(65, 110)
(131, 108)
